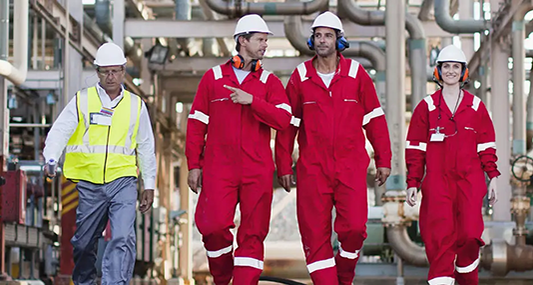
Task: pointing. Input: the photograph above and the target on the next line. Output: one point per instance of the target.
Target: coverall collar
(465, 103)
(227, 71)
(342, 70)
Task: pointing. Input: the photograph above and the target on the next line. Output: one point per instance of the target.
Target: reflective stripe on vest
(99, 153)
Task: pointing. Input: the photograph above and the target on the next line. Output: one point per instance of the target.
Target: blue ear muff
(342, 43)
(310, 43)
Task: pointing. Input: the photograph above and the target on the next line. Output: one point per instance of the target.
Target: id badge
(100, 119)
(437, 137)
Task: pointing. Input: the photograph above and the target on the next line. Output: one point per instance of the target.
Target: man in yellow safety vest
(103, 130)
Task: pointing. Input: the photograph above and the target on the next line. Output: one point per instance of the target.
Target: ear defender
(256, 65)
(310, 42)
(341, 43)
(437, 73)
(238, 62)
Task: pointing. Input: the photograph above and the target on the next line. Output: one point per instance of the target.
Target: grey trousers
(98, 203)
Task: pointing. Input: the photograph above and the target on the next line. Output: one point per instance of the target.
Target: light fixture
(12, 102)
(157, 54)
(50, 98)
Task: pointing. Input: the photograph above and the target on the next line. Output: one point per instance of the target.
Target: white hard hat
(451, 53)
(109, 54)
(328, 20)
(251, 24)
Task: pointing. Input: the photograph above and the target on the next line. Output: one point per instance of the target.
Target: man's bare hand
(286, 181)
(147, 199)
(382, 174)
(195, 180)
(239, 96)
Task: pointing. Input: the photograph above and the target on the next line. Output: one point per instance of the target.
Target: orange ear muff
(238, 61)
(436, 74)
(256, 65)
(464, 76)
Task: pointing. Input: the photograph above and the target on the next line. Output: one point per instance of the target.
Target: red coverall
(451, 222)
(237, 164)
(332, 166)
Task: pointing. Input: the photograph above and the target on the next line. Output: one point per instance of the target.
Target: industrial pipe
(104, 27)
(402, 245)
(519, 76)
(529, 112)
(417, 44)
(183, 11)
(447, 23)
(130, 49)
(16, 73)
(288, 8)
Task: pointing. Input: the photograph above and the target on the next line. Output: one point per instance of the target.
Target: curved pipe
(417, 43)
(447, 23)
(402, 244)
(17, 73)
(287, 8)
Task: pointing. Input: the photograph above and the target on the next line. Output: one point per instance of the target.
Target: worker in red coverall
(452, 137)
(229, 155)
(333, 101)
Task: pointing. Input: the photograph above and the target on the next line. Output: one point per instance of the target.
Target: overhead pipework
(238, 8)
(17, 71)
(447, 23)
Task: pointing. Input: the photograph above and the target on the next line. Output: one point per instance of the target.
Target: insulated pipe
(287, 8)
(395, 102)
(447, 23)
(402, 245)
(183, 11)
(294, 33)
(17, 73)
(529, 113)
(417, 44)
(519, 77)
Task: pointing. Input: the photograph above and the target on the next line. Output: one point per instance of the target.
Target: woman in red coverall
(452, 137)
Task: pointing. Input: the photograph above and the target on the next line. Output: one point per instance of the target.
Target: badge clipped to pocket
(437, 136)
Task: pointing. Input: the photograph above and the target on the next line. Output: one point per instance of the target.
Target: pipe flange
(520, 232)
(520, 204)
(499, 258)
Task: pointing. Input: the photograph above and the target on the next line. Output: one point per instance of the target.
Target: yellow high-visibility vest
(102, 148)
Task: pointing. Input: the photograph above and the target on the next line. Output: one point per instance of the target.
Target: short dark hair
(246, 36)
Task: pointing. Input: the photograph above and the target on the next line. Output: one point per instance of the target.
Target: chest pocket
(352, 108)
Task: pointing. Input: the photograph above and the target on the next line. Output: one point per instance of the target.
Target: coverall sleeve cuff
(194, 165)
(149, 183)
(381, 163)
(493, 173)
(284, 171)
(413, 184)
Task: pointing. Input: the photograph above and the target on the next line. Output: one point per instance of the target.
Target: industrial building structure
(46, 52)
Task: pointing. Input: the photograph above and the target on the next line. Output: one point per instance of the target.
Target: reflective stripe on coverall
(451, 222)
(332, 166)
(237, 167)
